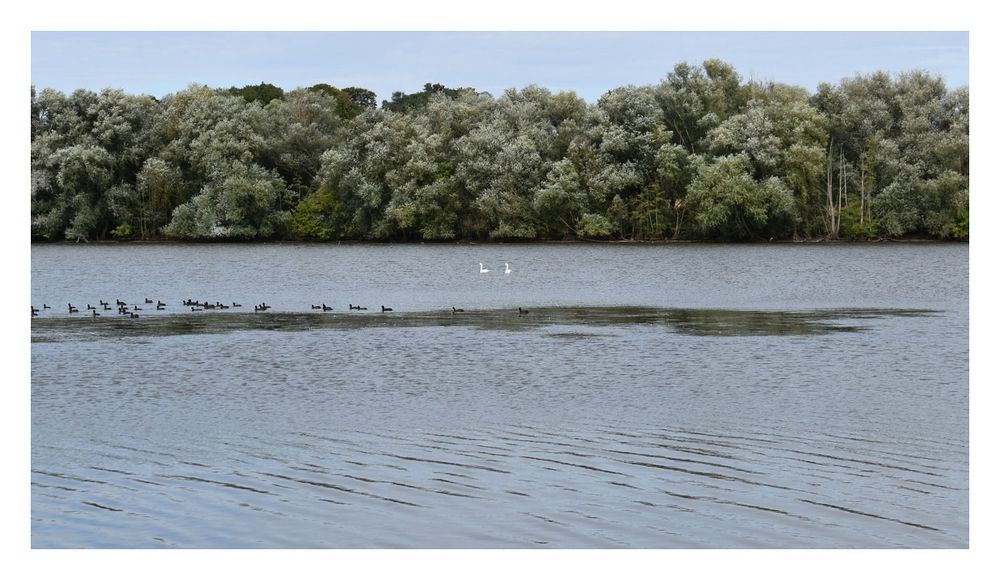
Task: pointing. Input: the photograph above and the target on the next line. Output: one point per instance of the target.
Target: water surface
(654, 396)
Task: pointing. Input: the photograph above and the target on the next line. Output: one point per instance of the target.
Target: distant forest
(703, 155)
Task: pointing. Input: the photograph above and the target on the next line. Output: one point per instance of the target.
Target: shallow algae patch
(700, 322)
(741, 322)
(579, 335)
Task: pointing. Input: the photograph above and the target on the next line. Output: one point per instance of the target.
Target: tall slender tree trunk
(829, 190)
(862, 192)
(841, 190)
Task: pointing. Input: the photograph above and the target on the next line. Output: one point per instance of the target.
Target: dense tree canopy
(701, 155)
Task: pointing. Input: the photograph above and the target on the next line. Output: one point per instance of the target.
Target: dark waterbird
(456, 310)
(106, 306)
(327, 308)
(133, 315)
(148, 301)
(521, 312)
(262, 307)
(46, 307)
(160, 307)
(384, 309)
(89, 307)
(235, 305)
(34, 311)
(72, 308)
(102, 303)
(158, 303)
(316, 306)
(195, 309)
(94, 314)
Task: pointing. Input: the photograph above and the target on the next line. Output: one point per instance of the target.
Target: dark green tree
(263, 93)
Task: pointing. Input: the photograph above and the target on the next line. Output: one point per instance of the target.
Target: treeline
(701, 155)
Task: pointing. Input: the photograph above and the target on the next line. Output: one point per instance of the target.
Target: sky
(589, 63)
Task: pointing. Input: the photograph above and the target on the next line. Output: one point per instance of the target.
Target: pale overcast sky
(589, 63)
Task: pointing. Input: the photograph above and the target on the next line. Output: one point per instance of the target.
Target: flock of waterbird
(124, 309)
(132, 311)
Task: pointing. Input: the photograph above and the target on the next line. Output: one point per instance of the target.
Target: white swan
(506, 269)
(483, 269)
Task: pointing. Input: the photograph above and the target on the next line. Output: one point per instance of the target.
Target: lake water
(661, 396)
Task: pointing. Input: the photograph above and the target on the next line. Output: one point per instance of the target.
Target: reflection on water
(689, 321)
(818, 422)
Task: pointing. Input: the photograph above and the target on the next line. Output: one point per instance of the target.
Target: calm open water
(772, 396)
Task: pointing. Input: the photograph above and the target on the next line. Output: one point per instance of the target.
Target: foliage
(263, 93)
(240, 203)
(592, 225)
(317, 217)
(402, 102)
(348, 103)
(729, 203)
(561, 199)
(160, 188)
(702, 154)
